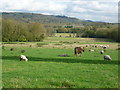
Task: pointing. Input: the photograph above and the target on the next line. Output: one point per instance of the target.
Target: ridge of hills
(47, 19)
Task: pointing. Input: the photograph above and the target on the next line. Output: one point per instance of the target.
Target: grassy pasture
(45, 69)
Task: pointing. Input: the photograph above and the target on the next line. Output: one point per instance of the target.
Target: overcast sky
(96, 10)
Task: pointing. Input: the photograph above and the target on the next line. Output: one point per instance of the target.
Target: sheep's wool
(107, 57)
(23, 57)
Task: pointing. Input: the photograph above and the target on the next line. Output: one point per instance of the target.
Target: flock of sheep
(78, 50)
(106, 57)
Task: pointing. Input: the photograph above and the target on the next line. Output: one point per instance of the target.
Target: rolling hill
(45, 19)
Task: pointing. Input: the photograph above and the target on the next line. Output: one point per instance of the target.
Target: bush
(22, 39)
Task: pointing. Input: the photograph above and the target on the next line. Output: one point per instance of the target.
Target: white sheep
(104, 47)
(107, 57)
(101, 51)
(91, 50)
(101, 45)
(23, 57)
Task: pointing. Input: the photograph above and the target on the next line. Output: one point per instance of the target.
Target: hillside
(44, 19)
(47, 19)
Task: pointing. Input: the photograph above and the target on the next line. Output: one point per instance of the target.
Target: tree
(19, 31)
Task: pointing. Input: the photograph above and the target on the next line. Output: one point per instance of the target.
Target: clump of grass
(67, 84)
(30, 46)
(58, 44)
(22, 51)
(60, 41)
(21, 43)
(66, 42)
(41, 44)
(76, 42)
(3, 47)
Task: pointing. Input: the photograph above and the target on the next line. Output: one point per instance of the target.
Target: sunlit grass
(45, 69)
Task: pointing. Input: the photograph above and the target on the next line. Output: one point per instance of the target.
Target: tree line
(13, 31)
(100, 32)
(93, 31)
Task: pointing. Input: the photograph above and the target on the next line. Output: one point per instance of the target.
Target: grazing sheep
(101, 45)
(104, 47)
(11, 49)
(95, 46)
(101, 51)
(107, 57)
(23, 57)
(86, 45)
(91, 50)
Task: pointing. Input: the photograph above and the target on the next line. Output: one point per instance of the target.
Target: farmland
(45, 69)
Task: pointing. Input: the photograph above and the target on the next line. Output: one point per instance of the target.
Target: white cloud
(104, 10)
(31, 5)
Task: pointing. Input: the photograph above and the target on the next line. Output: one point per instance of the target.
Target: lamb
(107, 57)
(95, 46)
(91, 50)
(23, 57)
(101, 51)
(86, 45)
(104, 47)
(101, 45)
(11, 49)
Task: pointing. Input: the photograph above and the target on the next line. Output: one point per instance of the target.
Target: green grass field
(45, 69)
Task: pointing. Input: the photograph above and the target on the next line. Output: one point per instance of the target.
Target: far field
(45, 69)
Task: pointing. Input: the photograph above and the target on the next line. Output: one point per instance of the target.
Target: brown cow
(78, 50)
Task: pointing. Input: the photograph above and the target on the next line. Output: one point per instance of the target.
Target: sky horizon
(95, 10)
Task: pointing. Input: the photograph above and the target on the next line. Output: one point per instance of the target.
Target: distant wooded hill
(46, 19)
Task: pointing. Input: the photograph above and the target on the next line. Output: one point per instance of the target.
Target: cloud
(102, 10)
(31, 5)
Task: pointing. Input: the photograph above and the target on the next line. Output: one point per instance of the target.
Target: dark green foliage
(19, 31)
(68, 26)
(62, 30)
(22, 38)
(111, 33)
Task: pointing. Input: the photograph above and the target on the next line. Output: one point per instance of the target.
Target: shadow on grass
(65, 60)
